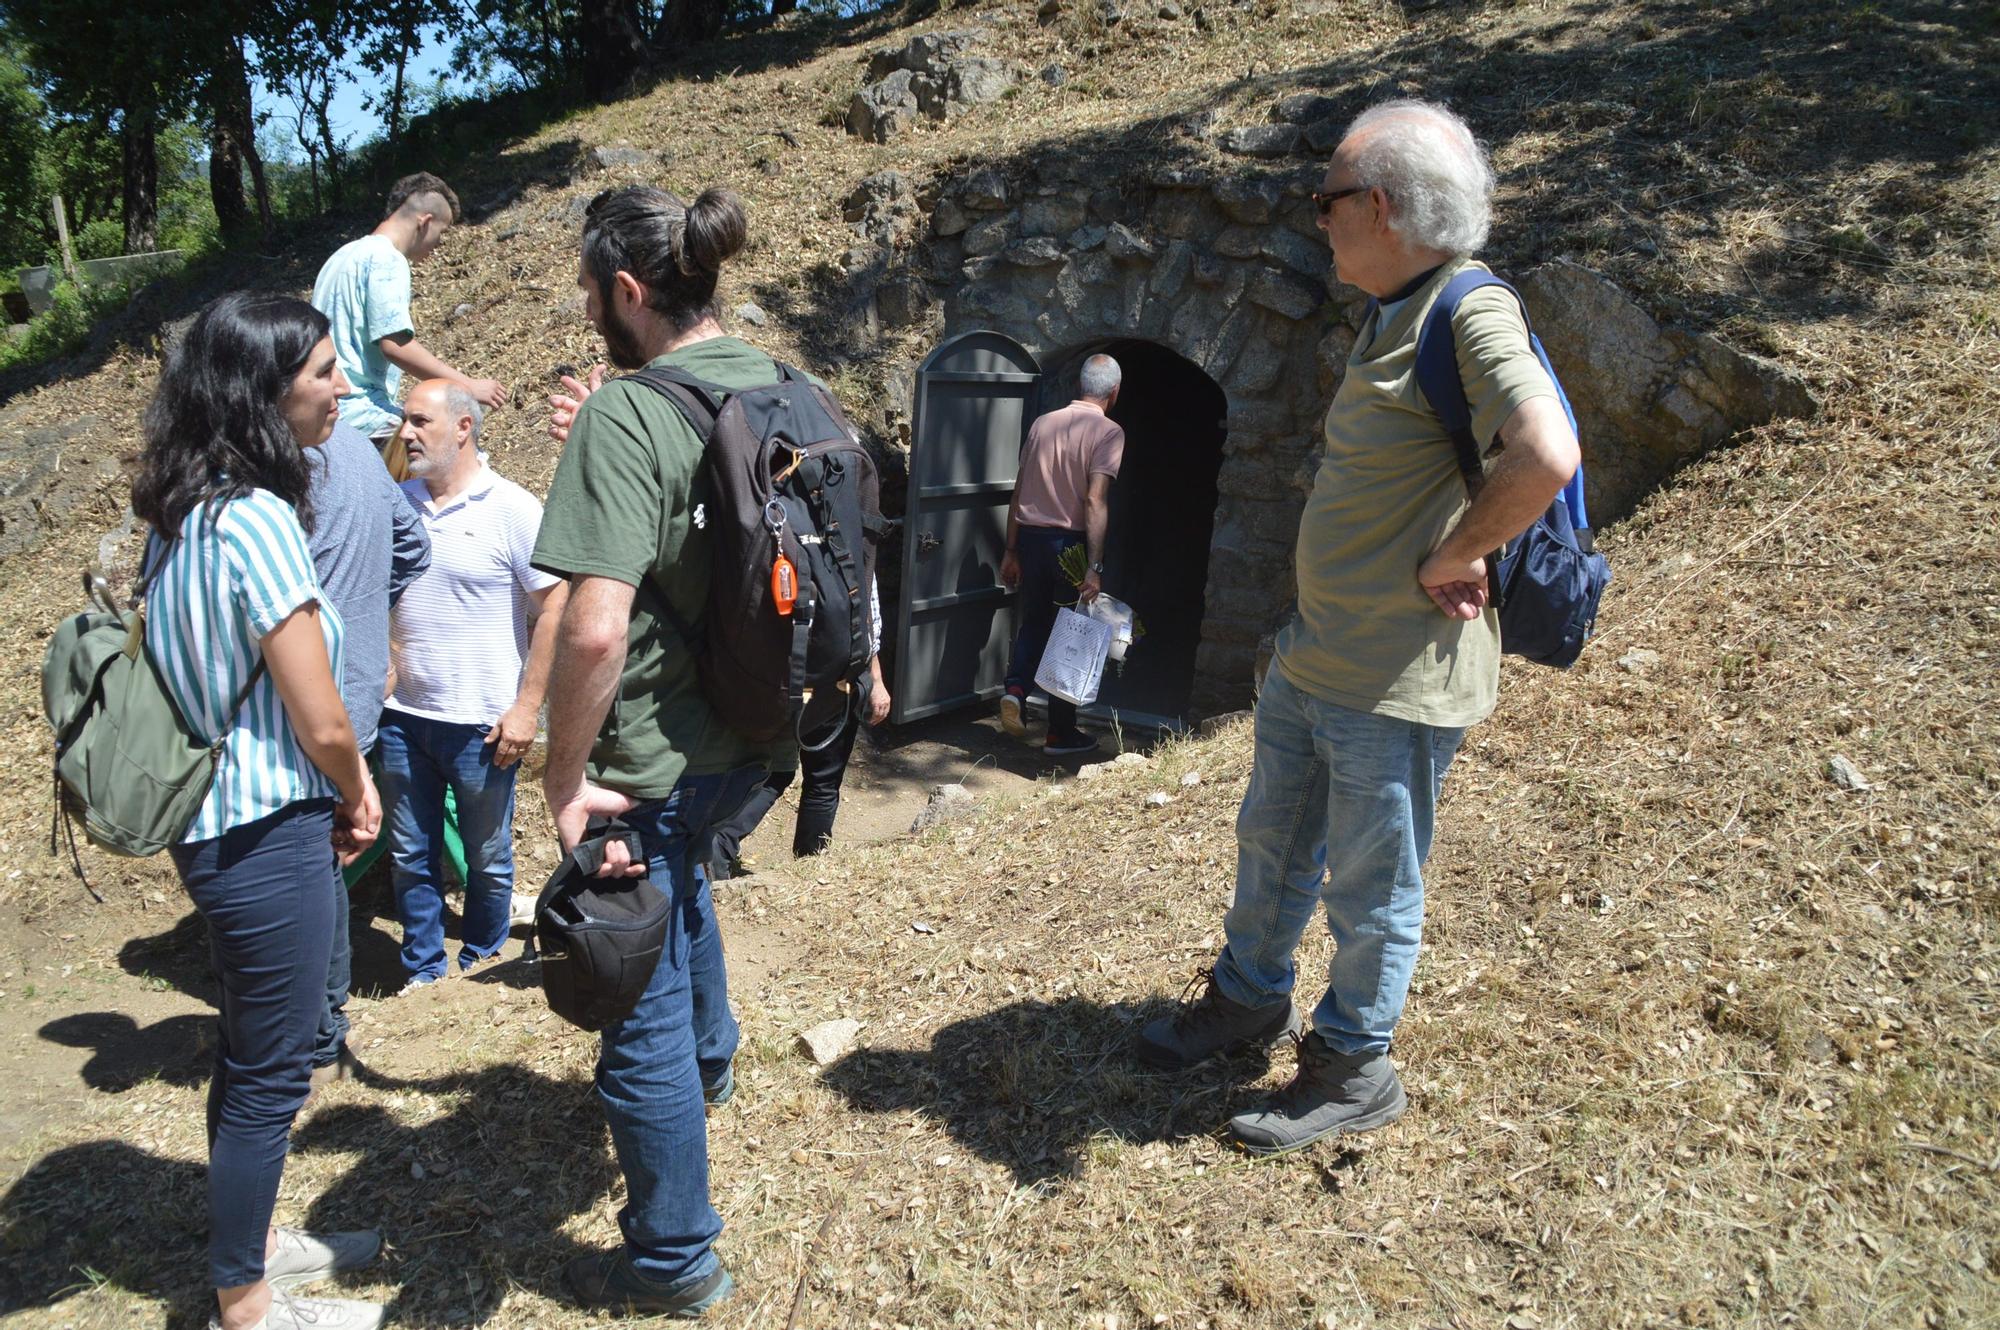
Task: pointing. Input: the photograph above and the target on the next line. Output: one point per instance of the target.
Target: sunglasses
(1324, 202)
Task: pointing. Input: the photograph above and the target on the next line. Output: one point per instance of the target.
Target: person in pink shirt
(1061, 500)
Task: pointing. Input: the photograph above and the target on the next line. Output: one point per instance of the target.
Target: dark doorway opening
(1162, 515)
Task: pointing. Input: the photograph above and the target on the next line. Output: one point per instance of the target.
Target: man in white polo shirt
(471, 642)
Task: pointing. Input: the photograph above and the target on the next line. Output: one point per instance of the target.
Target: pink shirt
(1065, 449)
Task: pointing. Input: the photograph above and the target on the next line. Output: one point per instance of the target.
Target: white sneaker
(302, 1257)
(1011, 718)
(290, 1313)
(416, 985)
(523, 913)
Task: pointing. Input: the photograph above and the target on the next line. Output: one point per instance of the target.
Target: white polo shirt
(459, 634)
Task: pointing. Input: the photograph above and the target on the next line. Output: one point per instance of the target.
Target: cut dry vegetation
(1704, 1030)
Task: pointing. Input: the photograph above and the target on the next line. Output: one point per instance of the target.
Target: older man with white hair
(1395, 650)
(471, 642)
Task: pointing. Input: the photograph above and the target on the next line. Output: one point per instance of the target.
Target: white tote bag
(1073, 662)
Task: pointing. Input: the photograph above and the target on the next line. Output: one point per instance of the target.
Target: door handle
(926, 542)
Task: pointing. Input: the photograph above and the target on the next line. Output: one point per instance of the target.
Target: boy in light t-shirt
(364, 291)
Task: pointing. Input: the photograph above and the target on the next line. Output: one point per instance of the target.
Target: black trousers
(819, 801)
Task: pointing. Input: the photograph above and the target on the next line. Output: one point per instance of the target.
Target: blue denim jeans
(1044, 590)
(1339, 810)
(651, 1065)
(266, 891)
(420, 759)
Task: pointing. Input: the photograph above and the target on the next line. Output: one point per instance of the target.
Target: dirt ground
(1704, 1030)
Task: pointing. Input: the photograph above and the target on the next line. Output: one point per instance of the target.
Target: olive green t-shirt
(623, 506)
(1387, 491)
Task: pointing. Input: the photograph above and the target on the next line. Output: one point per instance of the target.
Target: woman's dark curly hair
(216, 426)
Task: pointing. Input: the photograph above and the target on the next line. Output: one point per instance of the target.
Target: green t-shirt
(622, 505)
(1387, 491)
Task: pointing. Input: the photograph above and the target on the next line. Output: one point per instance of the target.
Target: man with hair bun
(631, 734)
(1395, 651)
(364, 291)
(1062, 500)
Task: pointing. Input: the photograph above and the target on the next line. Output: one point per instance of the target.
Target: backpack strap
(1438, 380)
(699, 403)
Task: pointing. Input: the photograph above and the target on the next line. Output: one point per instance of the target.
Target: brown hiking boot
(1207, 1023)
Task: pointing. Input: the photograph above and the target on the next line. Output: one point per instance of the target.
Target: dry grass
(1699, 1037)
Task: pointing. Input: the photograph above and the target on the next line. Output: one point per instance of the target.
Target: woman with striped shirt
(250, 648)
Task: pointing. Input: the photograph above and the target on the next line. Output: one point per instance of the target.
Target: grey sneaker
(290, 1313)
(1332, 1092)
(607, 1279)
(303, 1257)
(1207, 1023)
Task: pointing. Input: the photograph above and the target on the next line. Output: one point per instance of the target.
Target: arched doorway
(1162, 514)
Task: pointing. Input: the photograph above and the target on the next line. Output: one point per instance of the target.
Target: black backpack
(794, 513)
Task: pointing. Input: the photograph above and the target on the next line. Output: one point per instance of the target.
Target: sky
(353, 121)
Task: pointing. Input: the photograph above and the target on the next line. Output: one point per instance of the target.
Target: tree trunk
(225, 178)
(229, 138)
(685, 22)
(396, 94)
(138, 136)
(614, 46)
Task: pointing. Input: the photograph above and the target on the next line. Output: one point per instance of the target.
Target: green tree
(26, 176)
(132, 64)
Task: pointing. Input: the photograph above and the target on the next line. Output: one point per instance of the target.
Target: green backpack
(127, 766)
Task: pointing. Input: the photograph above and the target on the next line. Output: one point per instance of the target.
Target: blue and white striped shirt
(223, 586)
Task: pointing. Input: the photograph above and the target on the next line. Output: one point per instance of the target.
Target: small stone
(946, 802)
(829, 1041)
(626, 158)
(510, 233)
(1846, 775)
(1131, 760)
(416, 1170)
(1169, 11)
(1054, 75)
(1111, 12)
(919, 926)
(984, 191)
(1215, 725)
(948, 218)
(1159, 799)
(1189, 779)
(1125, 245)
(459, 311)
(1092, 770)
(1639, 660)
(1049, 9)
(752, 314)
(1261, 140)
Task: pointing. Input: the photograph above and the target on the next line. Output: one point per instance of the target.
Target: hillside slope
(1701, 1036)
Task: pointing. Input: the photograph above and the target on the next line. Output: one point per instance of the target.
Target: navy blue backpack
(1547, 582)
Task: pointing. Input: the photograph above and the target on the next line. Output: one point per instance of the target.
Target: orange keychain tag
(784, 585)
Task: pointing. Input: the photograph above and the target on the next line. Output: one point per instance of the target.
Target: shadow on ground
(1031, 1084)
(515, 1155)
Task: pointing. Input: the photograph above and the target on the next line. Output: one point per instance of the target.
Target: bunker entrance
(1162, 515)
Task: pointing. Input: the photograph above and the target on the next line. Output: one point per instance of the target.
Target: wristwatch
(1097, 568)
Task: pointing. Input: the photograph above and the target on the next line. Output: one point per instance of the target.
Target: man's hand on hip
(1457, 587)
(574, 809)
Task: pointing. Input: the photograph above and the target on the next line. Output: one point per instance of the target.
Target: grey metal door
(974, 401)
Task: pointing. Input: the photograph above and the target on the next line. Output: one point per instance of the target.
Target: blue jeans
(1044, 590)
(266, 891)
(420, 758)
(1365, 787)
(651, 1065)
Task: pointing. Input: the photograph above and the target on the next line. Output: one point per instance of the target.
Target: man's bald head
(441, 423)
